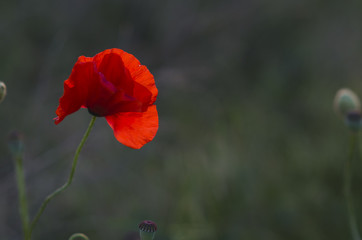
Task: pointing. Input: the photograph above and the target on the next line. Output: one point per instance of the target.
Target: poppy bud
(15, 143)
(347, 104)
(79, 236)
(147, 230)
(2, 91)
(346, 101)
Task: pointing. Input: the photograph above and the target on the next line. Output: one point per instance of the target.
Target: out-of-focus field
(248, 145)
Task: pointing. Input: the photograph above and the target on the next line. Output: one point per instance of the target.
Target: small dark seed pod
(148, 226)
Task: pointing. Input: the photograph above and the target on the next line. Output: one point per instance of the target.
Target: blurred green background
(248, 145)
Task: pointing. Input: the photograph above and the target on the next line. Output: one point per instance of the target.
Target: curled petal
(75, 88)
(140, 74)
(118, 64)
(110, 63)
(134, 129)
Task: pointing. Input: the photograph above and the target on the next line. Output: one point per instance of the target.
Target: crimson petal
(75, 88)
(134, 129)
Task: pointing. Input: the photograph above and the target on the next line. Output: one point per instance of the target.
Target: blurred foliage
(248, 146)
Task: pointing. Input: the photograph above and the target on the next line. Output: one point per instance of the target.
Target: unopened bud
(15, 143)
(346, 101)
(79, 236)
(2, 91)
(147, 230)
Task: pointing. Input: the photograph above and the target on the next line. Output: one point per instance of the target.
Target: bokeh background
(248, 145)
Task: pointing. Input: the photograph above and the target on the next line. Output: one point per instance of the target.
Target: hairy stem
(353, 155)
(70, 179)
(23, 205)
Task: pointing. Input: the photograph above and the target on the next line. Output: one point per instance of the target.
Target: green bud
(147, 230)
(2, 91)
(79, 236)
(346, 101)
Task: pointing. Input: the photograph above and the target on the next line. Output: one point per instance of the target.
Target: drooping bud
(2, 91)
(15, 143)
(147, 230)
(346, 101)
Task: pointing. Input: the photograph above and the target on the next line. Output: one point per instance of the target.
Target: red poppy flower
(113, 84)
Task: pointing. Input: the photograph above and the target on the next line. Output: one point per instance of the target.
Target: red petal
(117, 64)
(135, 129)
(113, 69)
(120, 102)
(140, 74)
(85, 87)
(145, 78)
(75, 90)
(100, 91)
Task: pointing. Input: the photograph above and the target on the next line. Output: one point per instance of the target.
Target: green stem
(23, 206)
(66, 185)
(354, 152)
(147, 235)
